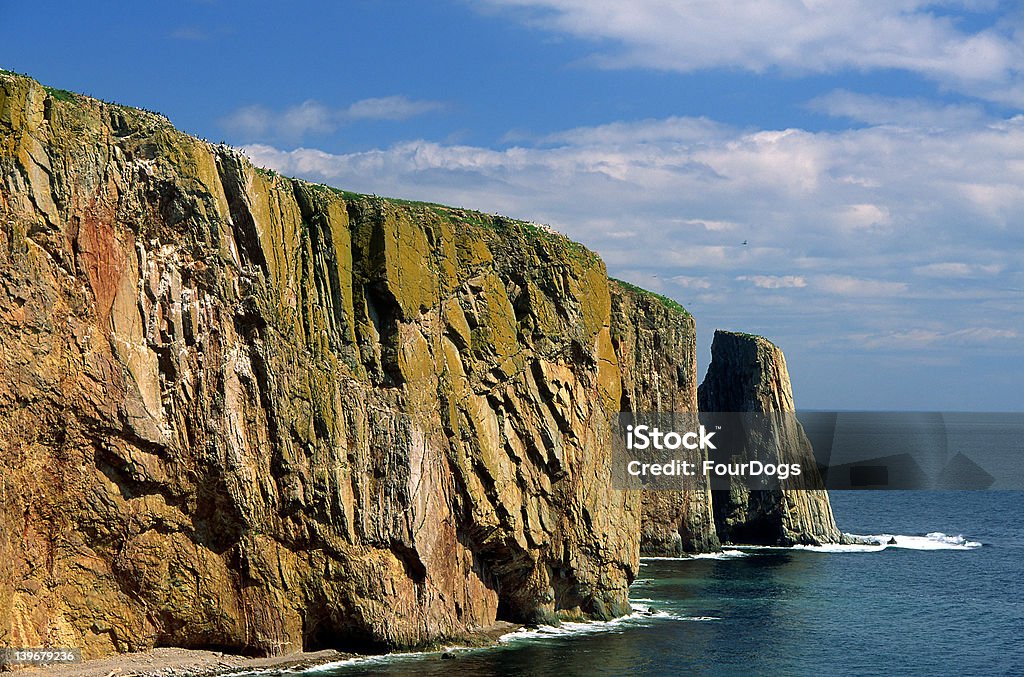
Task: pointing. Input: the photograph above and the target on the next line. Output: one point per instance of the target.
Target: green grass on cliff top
(60, 94)
(67, 96)
(472, 217)
(671, 304)
(743, 334)
(475, 218)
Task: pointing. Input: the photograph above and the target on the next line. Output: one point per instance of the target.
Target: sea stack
(748, 374)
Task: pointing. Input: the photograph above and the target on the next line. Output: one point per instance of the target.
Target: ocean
(945, 600)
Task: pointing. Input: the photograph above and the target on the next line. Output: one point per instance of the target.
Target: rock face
(247, 412)
(748, 374)
(655, 340)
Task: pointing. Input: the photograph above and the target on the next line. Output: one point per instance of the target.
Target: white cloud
(833, 188)
(863, 216)
(848, 285)
(929, 338)
(710, 224)
(671, 129)
(390, 108)
(884, 110)
(874, 231)
(775, 281)
(249, 121)
(313, 117)
(797, 36)
(309, 117)
(956, 269)
(690, 282)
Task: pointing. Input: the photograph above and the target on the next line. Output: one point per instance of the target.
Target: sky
(846, 179)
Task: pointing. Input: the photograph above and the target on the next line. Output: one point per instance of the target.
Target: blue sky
(871, 154)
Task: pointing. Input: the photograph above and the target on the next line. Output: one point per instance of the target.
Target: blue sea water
(945, 600)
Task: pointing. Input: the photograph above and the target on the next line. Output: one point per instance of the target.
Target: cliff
(655, 339)
(749, 374)
(246, 412)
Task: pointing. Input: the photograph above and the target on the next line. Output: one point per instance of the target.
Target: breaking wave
(935, 540)
(642, 614)
(725, 554)
(355, 660)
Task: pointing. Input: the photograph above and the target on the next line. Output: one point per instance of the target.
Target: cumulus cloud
(863, 216)
(312, 117)
(792, 233)
(833, 188)
(797, 36)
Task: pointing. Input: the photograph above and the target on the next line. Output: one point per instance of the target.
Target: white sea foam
(642, 614)
(724, 554)
(840, 547)
(933, 541)
(879, 542)
(357, 660)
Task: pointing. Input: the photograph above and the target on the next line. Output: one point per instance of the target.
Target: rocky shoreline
(178, 662)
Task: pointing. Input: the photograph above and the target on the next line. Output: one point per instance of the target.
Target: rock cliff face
(655, 340)
(248, 412)
(243, 411)
(748, 374)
